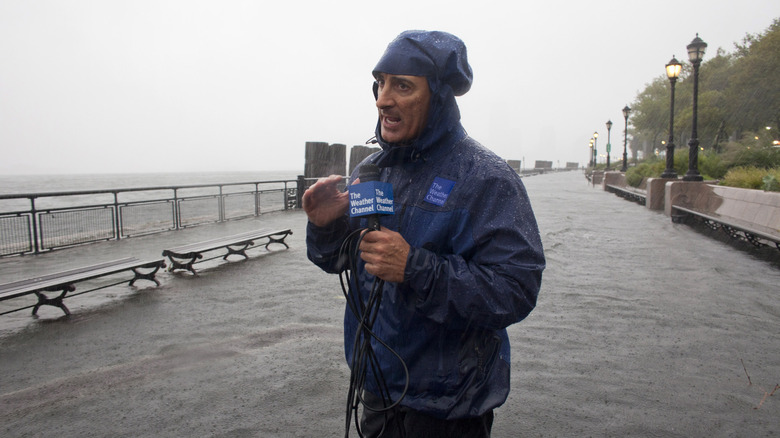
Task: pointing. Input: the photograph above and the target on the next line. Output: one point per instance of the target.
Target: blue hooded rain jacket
(476, 259)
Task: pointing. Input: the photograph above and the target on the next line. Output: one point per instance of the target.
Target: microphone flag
(372, 197)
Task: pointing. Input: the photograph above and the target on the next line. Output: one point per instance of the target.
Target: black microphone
(370, 172)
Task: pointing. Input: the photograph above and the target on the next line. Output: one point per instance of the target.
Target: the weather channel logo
(439, 191)
(373, 197)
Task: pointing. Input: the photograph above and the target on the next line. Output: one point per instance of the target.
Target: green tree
(650, 116)
(738, 92)
(754, 90)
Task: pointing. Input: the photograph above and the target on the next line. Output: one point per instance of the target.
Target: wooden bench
(65, 281)
(751, 232)
(183, 257)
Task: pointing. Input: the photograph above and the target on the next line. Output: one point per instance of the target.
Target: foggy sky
(190, 85)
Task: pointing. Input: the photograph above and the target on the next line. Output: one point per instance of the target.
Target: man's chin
(394, 138)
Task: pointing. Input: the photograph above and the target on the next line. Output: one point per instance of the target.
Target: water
(642, 325)
(643, 328)
(17, 184)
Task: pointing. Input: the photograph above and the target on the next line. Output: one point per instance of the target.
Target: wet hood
(441, 58)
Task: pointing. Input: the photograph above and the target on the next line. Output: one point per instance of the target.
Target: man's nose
(384, 98)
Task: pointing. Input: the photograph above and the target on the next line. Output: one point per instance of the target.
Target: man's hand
(385, 254)
(323, 202)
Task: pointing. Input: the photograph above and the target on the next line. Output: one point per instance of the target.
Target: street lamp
(626, 112)
(609, 145)
(590, 159)
(695, 54)
(672, 72)
(595, 147)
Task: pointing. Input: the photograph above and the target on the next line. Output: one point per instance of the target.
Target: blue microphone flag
(373, 197)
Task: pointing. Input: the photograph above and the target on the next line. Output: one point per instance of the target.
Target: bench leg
(175, 264)
(43, 300)
(148, 275)
(712, 224)
(238, 251)
(272, 239)
(753, 239)
(730, 231)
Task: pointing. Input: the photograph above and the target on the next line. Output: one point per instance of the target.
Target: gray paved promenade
(642, 329)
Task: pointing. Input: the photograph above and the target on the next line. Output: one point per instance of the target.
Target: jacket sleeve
(493, 276)
(323, 244)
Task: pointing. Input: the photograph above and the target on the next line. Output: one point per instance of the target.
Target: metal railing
(63, 219)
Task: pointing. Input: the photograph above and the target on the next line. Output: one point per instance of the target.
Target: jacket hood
(441, 58)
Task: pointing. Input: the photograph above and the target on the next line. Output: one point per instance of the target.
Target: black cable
(363, 356)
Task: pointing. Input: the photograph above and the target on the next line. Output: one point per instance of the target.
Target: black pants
(403, 422)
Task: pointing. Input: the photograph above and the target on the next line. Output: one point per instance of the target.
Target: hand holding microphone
(384, 251)
(370, 197)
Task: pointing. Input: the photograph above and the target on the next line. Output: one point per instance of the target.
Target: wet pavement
(643, 328)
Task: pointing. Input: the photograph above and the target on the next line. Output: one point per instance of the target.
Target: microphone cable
(363, 354)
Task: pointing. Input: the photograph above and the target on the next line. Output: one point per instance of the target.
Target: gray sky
(188, 85)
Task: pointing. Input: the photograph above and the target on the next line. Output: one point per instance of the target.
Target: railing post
(176, 212)
(221, 205)
(117, 218)
(299, 192)
(286, 197)
(257, 199)
(34, 225)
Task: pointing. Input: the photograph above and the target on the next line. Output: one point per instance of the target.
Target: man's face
(403, 103)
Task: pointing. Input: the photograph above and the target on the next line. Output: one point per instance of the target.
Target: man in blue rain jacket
(461, 257)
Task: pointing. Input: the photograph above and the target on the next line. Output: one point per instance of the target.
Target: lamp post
(595, 147)
(609, 145)
(592, 155)
(695, 54)
(626, 112)
(672, 72)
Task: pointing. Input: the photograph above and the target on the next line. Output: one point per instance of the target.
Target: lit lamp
(672, 72)
(609, 145)
(595, 147)
(695, 54)
(626, 112)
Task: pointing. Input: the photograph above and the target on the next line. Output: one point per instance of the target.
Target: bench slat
(194, 251)
(27, 286)
(732, 222)
(221, 242)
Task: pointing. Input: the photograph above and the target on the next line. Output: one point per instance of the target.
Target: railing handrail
(137, 189)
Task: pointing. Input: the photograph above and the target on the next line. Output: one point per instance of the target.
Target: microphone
(370, 197)
(369, 172)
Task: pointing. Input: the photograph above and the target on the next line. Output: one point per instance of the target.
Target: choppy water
(16, 184)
